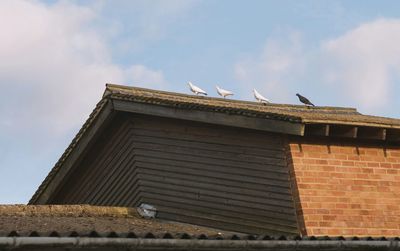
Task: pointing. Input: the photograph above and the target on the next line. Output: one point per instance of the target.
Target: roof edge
(112, 88)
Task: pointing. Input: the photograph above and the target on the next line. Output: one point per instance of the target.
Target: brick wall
(347, 190)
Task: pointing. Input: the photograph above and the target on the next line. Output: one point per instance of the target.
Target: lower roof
(86, 220)
(81, 227)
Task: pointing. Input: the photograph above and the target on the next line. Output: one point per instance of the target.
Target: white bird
(260, 98)
(223, 92)
(195, 89)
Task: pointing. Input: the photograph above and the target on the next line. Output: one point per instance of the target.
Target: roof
(281, 118)
(295, 113)
(70, 227)
(86, 220)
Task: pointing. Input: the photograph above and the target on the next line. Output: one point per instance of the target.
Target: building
(236, 166)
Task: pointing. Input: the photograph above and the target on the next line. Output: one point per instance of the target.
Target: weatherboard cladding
(203, 174)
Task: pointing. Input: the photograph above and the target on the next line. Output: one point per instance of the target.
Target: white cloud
(363, 63)
(358, 68)
(149, 20)
(141, 74)
(54, 62)
(54, 65)
(273, 70)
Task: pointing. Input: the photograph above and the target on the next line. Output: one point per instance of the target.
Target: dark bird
(304, 100)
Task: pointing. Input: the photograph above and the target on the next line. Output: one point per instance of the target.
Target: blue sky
(56, 57)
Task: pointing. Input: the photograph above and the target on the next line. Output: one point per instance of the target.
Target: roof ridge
(112, 88)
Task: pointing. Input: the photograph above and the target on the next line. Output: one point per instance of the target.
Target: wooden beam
(371, 133)
(263, 124)
(317, 130)
(343, 131)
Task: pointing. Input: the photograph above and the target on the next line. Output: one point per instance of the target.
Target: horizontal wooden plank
(214, 216)
(219, 151)
(229, 190)
(244, 222)
(207, 204)
(175, 132)
(199, 130)
(237, 227)
(266, 150)
(218, 194)
(180, 204)
(217, 180)
(218, 171)
(273, 172)
(212, 169)
(225, 201)
(182, 160)
(276, 166)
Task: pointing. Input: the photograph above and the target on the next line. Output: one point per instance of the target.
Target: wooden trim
(104, 116)
(263, 124)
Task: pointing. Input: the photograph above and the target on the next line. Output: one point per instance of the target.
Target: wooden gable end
(212, 175)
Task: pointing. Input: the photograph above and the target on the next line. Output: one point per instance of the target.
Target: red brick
(351, 190)
(394, 154)
(333, 232)
(373, 164)
(353, 157)
(385, 165)
(340, 156)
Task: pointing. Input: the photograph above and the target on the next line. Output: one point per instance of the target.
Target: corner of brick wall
(345, 189)
(295, 192)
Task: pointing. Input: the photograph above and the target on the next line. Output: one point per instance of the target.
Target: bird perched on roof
(260, 98)
(223, 93)
(195, 89)
(304, 100)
